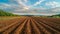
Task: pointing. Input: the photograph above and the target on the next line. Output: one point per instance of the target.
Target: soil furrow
(42, 29)
(19, 29)
(28, 29)
(36, 30)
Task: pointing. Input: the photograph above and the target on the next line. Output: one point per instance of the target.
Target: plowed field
(30, 25)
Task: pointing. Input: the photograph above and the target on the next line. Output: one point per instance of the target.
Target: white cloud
(21, 3)
(8, 6)
(4, 5)
(39, 2)
(24, 5)
(26, 0)
(53, 4)
(50, 14)
(21, 6)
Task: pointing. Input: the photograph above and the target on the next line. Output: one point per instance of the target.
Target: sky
(28, 6)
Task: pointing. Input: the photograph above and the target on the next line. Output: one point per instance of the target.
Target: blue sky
(38, 3)
(22, 5)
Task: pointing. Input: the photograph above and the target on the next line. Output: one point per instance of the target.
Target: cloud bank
(23, 7)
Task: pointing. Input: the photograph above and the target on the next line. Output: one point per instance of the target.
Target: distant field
(7, 17)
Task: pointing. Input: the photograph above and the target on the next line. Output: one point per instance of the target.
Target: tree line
(4, 13)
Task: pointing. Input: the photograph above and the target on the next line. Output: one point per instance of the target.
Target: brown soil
(30, 25)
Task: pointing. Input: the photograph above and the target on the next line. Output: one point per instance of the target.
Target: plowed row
(32, 25)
